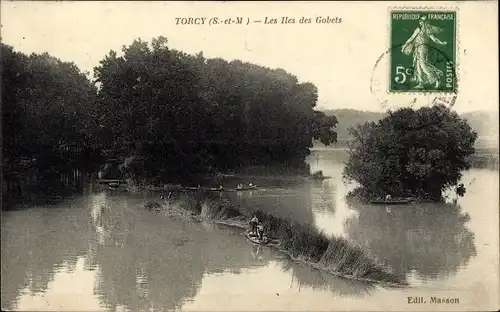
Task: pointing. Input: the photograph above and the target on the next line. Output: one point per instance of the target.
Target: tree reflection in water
(323, 194)
(140, 259)
(160, 264)
(305, 276)
(39, 242)
(288, 198)
(153, 271)
(430, 239)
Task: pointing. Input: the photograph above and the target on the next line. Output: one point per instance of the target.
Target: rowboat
(254, 238)
(107, 181)
(392, 202)
(246, 188)
(215, 189)
(211, 189)
(265, 241)
(219, 189)
(317, 178)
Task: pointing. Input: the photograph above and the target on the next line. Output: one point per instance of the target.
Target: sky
(339, 58)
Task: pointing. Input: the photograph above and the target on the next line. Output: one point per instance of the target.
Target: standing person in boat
(260, 231)
(253, 225)
(388, 197)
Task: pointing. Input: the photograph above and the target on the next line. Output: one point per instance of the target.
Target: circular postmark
(407, 94)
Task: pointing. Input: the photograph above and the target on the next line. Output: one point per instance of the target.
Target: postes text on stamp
(423, 51)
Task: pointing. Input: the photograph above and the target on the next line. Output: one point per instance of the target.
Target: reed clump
(334, 254)
(221, 210)
(305, 242)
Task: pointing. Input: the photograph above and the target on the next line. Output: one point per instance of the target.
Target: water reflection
(295, 202)
(152, 270)
(305, 276)
(137, 259)
(36, 244)
(105, 250)
(431, 240)
(35, 188)
(323, 195)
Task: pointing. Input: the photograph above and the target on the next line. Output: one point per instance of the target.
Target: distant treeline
(484, 123)
(158, 112)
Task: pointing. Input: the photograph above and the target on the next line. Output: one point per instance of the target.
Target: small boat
(113, 185)
(254, 238)
(316, 178)
(216, 189)
(265, 241)
(108, 181)
(392, 202)
(246, 188)
(220, 189)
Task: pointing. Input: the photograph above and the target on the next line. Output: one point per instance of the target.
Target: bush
(411, 152)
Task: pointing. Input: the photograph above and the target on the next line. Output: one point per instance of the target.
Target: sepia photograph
(249, 156)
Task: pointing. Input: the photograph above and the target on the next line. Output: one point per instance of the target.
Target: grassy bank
(302, 242)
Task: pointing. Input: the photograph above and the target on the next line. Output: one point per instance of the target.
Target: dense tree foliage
(45, 112)
(169, 113)
(411, 152)
(156, 111)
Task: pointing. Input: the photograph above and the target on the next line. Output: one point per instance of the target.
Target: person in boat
(388, 197)
(260, 231)
(253, 225)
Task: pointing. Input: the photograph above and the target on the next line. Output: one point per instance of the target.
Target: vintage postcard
(249, 156)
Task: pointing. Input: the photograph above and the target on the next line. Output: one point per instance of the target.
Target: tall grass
(334, 254)
(301, 241)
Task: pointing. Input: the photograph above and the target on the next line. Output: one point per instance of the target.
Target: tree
(46, 110)
(323, 128)
(173, 114)
(410, 152)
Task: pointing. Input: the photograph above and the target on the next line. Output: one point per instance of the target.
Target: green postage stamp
(423, 51)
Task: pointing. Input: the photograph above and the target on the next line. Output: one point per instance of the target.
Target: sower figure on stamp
(423, 71)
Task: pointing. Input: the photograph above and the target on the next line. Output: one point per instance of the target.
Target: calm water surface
(99, 251)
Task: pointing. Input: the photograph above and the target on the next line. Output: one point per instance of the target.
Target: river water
(99, 251)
